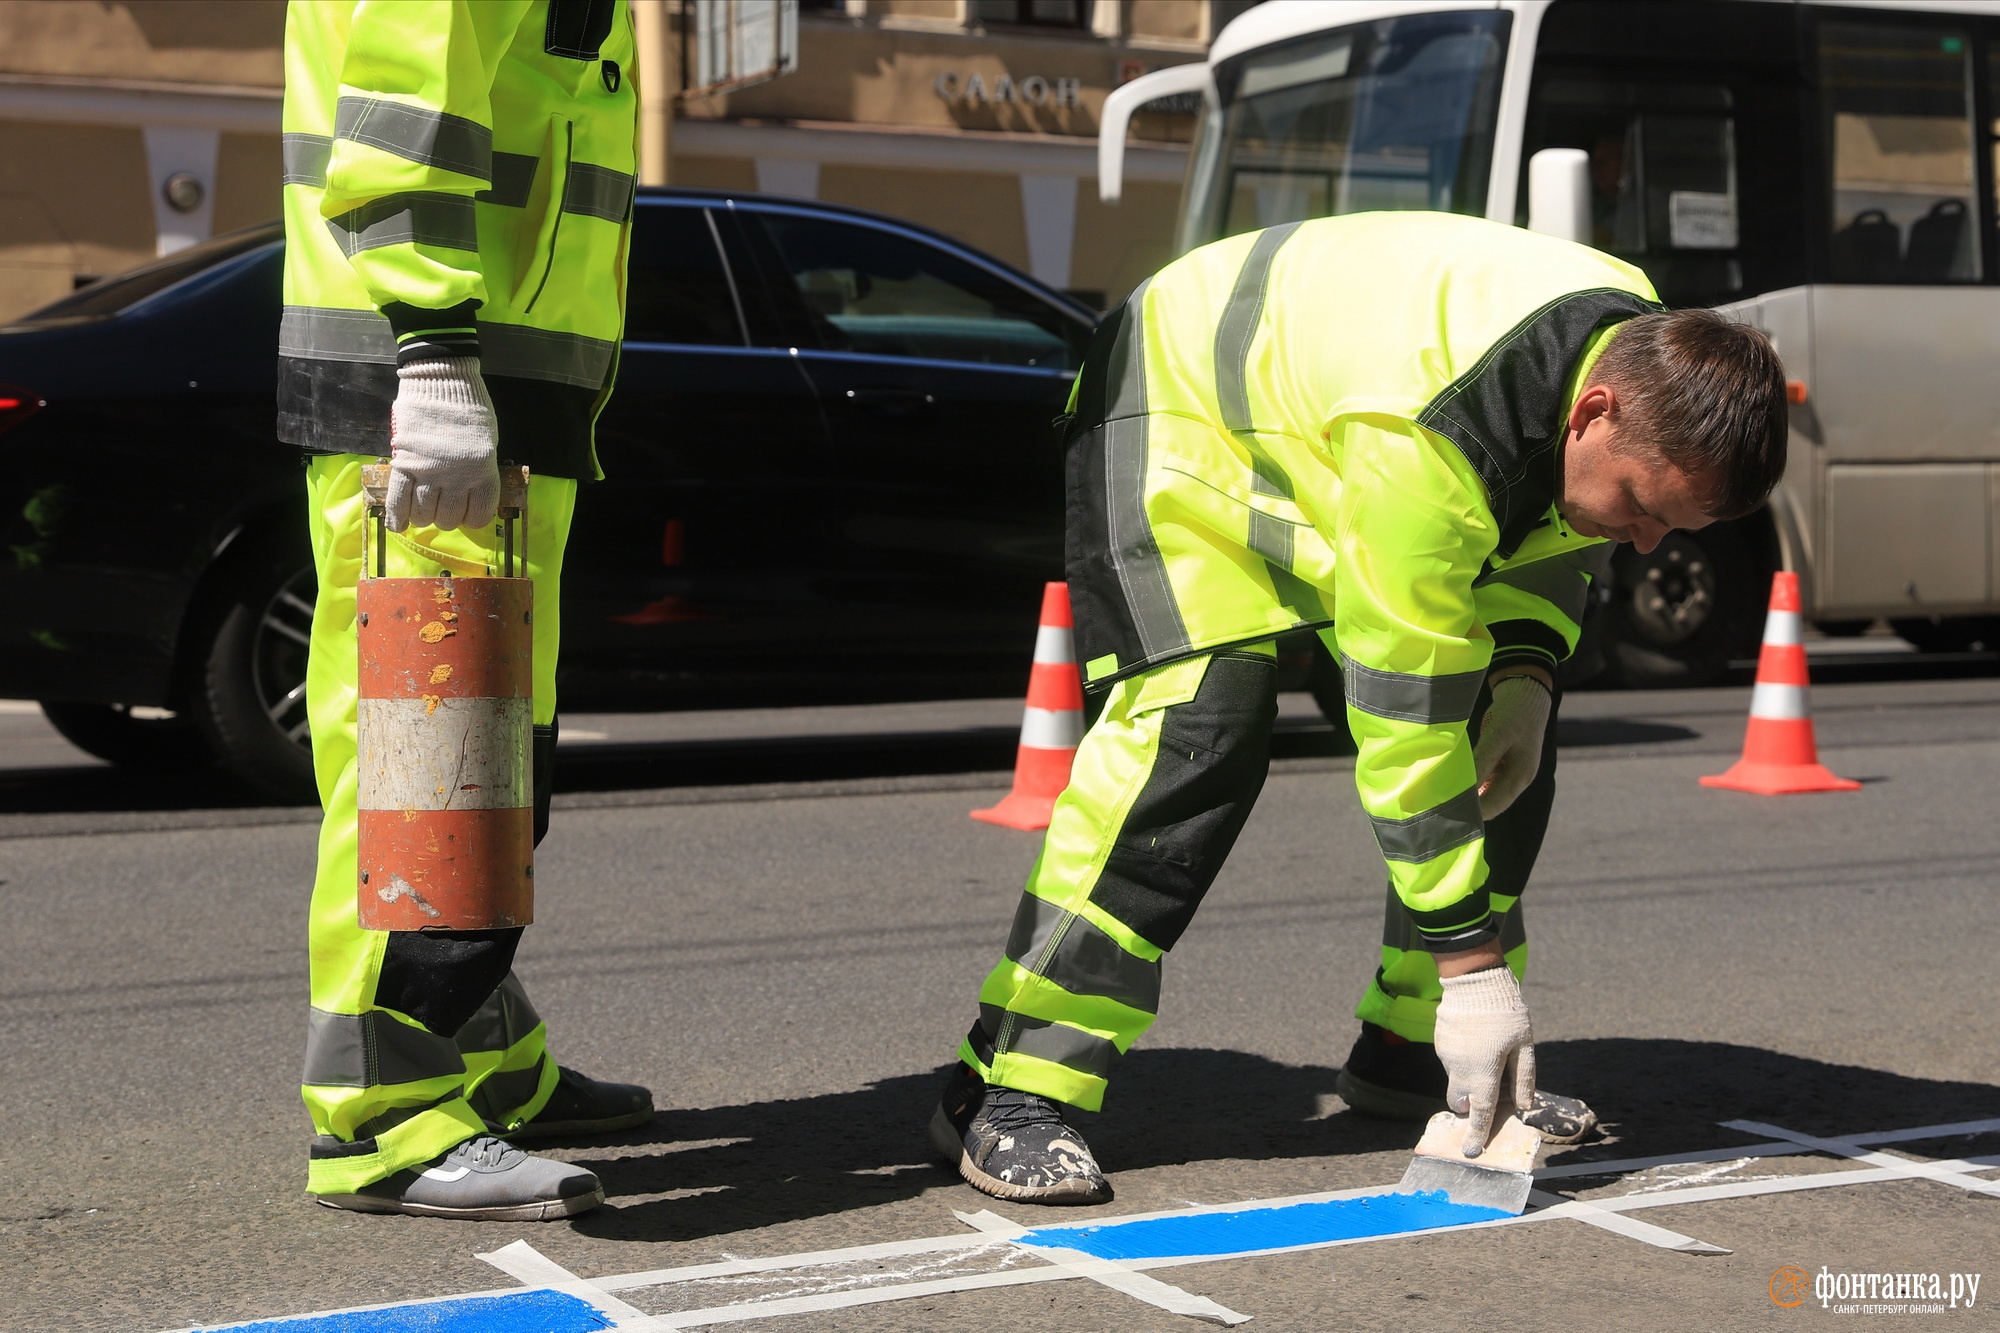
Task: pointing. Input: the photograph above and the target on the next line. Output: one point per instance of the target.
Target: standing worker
(458, 196)
(1410, 432)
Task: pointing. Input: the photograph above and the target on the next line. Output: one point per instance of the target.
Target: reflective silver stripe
(1561, 580)
(372, 1049)
(513, 180)
(1431, 700)
(597, 192)
(320, 334)
(1429, 835)
(1134, 553)
(1271, 538)
(1072, 1048)
(1233, 336)
(506, 1019)
(542, 354)
(305, 157)
(434, 138)
(1084, 960)
(426, 218)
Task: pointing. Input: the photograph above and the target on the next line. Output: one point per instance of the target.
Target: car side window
(678, 288)
(872, 291)
(1898, 117)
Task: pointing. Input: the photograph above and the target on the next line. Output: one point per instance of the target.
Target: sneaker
(483, 1179)
(581, 1104)
(1014, 1145)
(1398, 1079)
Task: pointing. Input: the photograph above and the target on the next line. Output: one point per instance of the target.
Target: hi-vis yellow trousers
(416, 1040)
(1162, 785)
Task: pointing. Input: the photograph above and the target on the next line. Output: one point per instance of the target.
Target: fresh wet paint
(1256, 1229)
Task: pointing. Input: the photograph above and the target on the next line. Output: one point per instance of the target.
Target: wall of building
(916, 108)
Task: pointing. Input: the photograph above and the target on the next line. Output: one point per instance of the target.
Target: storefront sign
(973, 90)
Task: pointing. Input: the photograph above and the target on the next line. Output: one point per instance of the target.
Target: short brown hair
(1707, 395)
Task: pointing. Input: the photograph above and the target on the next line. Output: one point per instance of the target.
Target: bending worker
(1408, 431)
(458, 193)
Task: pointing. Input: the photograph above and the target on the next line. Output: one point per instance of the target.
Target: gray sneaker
(483, 1179)
(1014, 1145)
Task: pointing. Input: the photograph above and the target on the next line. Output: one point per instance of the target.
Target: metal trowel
(1500, 1177)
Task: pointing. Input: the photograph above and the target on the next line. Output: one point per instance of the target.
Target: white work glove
(1509, 753)
(444, 469)
(1487, 1049)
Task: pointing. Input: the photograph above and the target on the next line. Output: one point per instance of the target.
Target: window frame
(795, 322)
(1983, 41)
(707, 208)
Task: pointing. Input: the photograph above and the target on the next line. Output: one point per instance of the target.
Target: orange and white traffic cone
(1779, 752)
(1051, 726)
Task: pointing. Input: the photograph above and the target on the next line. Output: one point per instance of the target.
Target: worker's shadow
(724, 1170)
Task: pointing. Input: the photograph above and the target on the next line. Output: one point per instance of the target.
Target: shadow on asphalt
(767, 1163)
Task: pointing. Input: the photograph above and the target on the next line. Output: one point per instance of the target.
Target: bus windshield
(1393, 114)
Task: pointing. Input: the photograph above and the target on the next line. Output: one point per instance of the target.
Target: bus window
(1663, 176)
(1397, 113)
(1897, 111)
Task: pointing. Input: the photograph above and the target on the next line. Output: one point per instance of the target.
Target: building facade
(131, 128)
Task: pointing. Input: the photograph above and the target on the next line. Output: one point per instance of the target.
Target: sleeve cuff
(1526, 641)
(431, 335)
(1466, 924)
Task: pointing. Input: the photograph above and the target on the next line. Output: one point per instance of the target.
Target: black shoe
(481, 1180)
(1398, 1079)
(1014, 1145)
(582, 1105)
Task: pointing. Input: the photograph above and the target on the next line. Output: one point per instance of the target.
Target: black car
(831, 475)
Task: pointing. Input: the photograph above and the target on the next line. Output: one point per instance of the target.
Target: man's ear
(1596, 400)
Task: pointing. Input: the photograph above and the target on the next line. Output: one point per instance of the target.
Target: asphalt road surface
(778, 920)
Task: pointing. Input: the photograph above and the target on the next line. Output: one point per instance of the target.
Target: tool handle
(512, 515)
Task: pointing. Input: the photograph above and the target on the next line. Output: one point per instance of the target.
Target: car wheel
(116, 733)
(1950, 634)
(1681, 613)
(250, 694)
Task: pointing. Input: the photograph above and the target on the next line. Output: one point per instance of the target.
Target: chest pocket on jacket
(577, 28)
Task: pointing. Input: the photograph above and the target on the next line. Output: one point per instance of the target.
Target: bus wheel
(1681, 613)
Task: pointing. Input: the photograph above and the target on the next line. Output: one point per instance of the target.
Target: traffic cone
(1051, 726)
(1779, 752)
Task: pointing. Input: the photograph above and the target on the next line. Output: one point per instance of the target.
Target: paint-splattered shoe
(1014, 1145)
(1398, 1079)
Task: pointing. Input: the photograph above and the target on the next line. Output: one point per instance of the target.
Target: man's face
(1624, 495)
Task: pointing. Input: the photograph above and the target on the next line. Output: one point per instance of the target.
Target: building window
(1038, 13)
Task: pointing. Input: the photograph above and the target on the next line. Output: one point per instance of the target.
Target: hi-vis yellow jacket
(1353, 422)
(459, 178)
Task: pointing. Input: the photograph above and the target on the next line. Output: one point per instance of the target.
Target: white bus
(1823, 170)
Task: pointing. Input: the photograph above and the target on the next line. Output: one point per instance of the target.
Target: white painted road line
(1583, 1210)
(529, 1266)
(1846, 1148)
(1118, 1277)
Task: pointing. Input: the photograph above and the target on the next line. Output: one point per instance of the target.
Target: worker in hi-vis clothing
(459, 182)
(1413, 433)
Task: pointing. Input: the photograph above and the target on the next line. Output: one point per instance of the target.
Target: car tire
(113, 734)
(249, 688)
(1682, 613)
(1950, 634)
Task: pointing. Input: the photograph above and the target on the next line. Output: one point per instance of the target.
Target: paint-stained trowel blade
(1500, 1177)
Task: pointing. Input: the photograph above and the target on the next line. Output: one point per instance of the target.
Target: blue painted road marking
(1263, 1228)
(523, 1312)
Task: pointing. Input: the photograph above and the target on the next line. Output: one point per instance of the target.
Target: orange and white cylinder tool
(445, 732)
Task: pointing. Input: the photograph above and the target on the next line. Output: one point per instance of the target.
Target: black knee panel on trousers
(1215, 750)
(441, 977)
(545, 775)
